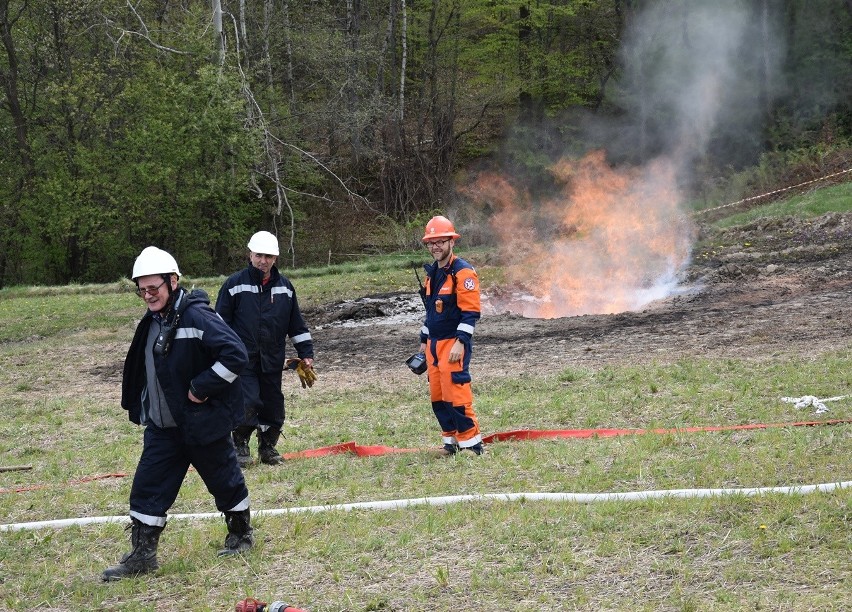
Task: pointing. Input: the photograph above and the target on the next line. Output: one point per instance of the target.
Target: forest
(342, 125)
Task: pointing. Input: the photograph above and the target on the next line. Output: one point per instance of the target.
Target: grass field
(59, 415)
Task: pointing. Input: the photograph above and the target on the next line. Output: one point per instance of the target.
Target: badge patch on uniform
(439, 306)
(469, 284)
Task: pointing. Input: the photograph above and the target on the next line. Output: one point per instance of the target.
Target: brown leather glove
(306, 373)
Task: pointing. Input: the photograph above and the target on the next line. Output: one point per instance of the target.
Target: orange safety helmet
(439, 227)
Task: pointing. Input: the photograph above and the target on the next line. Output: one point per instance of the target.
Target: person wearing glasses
(260, 304)
(181, 381)
(452, 309)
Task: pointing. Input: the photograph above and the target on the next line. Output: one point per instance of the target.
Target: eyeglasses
(437, 243)
(141, 291)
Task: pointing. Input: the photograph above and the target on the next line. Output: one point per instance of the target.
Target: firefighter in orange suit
(446, 338)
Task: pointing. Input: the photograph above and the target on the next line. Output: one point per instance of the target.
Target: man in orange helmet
(452, 310)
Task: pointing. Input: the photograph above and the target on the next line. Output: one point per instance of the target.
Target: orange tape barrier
(545, 434)
(72, 482)
(520, 434)
(763, 195)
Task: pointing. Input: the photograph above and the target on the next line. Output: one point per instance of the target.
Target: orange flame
(612, 241)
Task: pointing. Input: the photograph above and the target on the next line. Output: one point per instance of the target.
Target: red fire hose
(519, 434)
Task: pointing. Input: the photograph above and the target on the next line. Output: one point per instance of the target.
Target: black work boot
(239, 538)
(143, 558)
(476, 449)
(447, 450)
(266, 441)
(241, 436)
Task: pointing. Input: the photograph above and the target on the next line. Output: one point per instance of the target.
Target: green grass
(60, 358)
(837, 198)
(775, 551)
(31, 311)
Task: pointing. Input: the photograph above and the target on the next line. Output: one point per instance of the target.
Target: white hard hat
(263, 242)
(154, 261)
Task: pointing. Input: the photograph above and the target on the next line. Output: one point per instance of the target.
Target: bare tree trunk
(426, 107)
(765, 86)
(353, 33)
(9, 79)
(289, 48)
(525, 99)
(438, 112)
(267, 59)
(244, 34)
(10, 209)
(404, 59)
(217, 28)
(76, 253)
(388, 49)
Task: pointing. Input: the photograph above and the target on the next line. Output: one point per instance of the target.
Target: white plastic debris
(812, 400)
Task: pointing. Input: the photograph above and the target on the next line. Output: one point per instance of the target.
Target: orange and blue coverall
(452, 310)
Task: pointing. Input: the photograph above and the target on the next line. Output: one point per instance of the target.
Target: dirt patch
(775, 286)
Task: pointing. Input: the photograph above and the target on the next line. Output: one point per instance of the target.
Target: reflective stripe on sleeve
(464, 327)
(424, 330)
(301, 338)
(224, 372)
(189, 332)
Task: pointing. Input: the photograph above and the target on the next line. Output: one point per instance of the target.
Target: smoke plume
(614, 237)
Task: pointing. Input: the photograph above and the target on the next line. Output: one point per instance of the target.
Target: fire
(611, 240)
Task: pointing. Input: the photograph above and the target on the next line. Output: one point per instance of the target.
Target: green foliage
(130, 150)
(130, 132)
(168, 170)
(187, 162)
(549, 51)
(778, 171)
(818, 74)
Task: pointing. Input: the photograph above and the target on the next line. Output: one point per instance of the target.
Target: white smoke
(689, 68)
(693, 68)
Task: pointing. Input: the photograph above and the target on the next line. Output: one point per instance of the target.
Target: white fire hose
(395, 504)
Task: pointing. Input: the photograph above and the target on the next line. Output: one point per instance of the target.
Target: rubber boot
(266, 441)
(142, 558)
(239, 538)
(241, 436)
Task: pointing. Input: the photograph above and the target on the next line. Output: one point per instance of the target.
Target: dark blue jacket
(452, 319)
(205, 353)
(264, 316)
